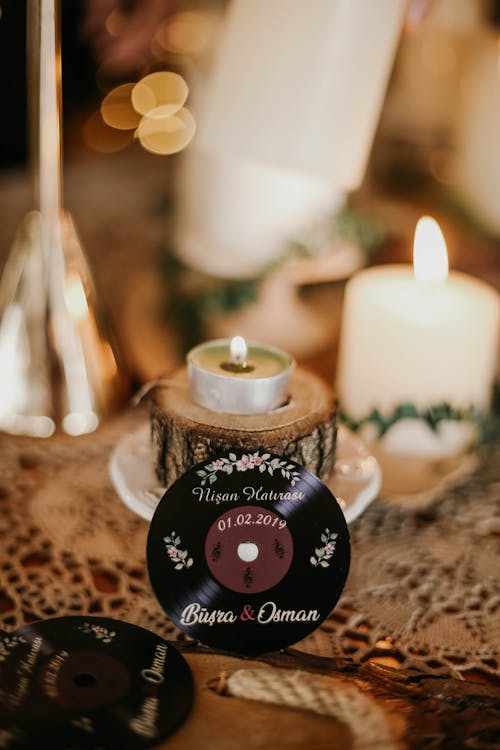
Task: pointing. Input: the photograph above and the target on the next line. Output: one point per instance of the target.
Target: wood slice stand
(184, 433)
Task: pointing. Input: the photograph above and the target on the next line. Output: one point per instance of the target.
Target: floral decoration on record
(7, 643)
(178, 556)
(101, 633)
(325, 553)
(248, 461)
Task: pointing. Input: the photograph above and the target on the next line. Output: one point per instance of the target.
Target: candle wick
(237, 366)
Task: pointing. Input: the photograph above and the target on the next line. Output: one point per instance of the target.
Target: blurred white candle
(419, 335)
(300, 84)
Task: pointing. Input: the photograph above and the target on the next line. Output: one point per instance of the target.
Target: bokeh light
(100, 137)
(115, 23)
(185, 33)
(117, 110)
(151, 109)
(166, 134)
(162, 89)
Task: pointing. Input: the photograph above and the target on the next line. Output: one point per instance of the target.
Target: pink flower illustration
(273, 464)
(323, 555)
(178, 556)
(243, 464)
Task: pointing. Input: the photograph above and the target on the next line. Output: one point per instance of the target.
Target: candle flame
(238, 350)
(430, 258)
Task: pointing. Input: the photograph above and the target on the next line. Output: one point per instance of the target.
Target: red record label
(249, 549)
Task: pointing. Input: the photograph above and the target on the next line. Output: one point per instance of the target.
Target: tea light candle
(234, 377)
(417, 336)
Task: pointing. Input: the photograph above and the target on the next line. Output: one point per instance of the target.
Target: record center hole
(248, 551)
(84, 679)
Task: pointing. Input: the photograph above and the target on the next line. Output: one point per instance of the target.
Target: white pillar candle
(417, 336)
(301, 84)
(236, 216)
(234, 377)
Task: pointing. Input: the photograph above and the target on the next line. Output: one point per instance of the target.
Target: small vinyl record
(89, 682)
(248, 552)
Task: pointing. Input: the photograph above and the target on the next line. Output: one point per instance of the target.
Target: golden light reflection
(186, 33)
(13, 350)
(385, 661)
(109, 358)
(115, 23)
(76, 301)
(14, 391)
(430, 257)
(98, 136)
(117, 110)
(385, 644)
(166, 135)
(162, 89)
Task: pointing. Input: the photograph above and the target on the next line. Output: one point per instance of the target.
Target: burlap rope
(327, 696)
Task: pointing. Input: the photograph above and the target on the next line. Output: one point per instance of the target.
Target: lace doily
(423, 591)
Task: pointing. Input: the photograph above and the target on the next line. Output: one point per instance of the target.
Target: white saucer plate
(355, 482)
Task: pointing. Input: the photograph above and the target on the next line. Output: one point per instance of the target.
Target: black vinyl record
(248, 552)
(89, 682)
